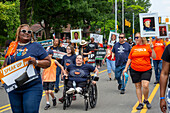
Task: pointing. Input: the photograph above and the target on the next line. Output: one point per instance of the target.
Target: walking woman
(26, 99)
(141, 70)
(110, 62)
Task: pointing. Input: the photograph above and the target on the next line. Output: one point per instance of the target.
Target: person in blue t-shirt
(78, 73)
(70, 58)
(56, 46)
(26, 98)
(121, 51)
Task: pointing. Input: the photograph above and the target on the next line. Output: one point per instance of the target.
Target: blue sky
(160, 6)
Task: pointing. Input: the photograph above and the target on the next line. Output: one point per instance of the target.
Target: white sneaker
(70, 91)
(79, 90)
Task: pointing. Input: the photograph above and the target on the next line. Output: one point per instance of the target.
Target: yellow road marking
(144, 110)
(150, 98)
(4, 106)
(5, 109)
(42, 95)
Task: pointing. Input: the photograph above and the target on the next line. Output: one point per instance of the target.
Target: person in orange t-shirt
(49, 78)
(141, 69)
(159, 47)
(167, 42)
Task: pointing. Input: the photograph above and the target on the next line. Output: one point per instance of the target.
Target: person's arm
(163, 83)
(153, 53)
(97, 72)
(44, 63)
(127, 65)
(105, 56)
(62, 68)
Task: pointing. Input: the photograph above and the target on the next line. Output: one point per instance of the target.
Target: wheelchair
(89, 92)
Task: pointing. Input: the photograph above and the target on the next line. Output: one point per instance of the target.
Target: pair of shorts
(48, 85)
(78, 84)
(138, 76)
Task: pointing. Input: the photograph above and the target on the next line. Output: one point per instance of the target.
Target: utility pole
(115, 16)
(123, 16)
(133, 27)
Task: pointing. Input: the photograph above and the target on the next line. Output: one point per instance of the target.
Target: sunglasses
(25, 31)
(136, 37)
(121, 37)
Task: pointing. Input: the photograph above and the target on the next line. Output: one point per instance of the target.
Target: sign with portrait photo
(97, 38)
(76, 36)
(113, 38)
(149, 25)
(163, 31)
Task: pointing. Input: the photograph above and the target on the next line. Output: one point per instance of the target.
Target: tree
(9, 19)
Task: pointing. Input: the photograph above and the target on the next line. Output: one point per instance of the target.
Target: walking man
(121, 51)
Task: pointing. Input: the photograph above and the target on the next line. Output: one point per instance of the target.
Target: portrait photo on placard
(149, 25)
(76, 36)
(163, 31)
(113, 38)
(97, 38)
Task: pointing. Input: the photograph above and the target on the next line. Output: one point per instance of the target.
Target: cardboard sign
(97, 38)
(100, 54)
(76, 36)
(149, 25)
(46, 43)
(11, 72)
(58, 54)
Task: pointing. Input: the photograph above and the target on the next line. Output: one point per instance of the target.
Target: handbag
(22, 78)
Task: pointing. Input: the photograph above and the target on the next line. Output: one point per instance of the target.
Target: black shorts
(78, 84)
(138, 76)
(48, 85)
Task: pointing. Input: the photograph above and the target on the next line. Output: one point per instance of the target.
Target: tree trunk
(23, 14)
(30, 19)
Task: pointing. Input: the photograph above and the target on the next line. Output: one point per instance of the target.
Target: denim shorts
(168, 98)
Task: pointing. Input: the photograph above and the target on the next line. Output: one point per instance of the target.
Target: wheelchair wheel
(93, 95)
(69, 100)
(86, 104)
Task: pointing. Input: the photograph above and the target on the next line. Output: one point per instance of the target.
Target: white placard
(113, 38)
(97, 38)
(149, 25)
(76, 36)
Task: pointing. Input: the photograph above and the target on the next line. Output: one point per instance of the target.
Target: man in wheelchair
(78, 75)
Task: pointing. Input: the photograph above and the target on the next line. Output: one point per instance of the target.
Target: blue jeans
(26, 100)
(157, 68)
(118, 74)
(168, 98)
(110, 65)
(58, 72)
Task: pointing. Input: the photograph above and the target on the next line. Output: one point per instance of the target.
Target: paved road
(109, 99)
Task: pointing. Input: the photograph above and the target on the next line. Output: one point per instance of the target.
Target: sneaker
(119, 86)
(156, 82)
(61, 99)
(110, 79)
(79, 90)
(70, 91)
(56, 89)
(122, 92)
(140, 106)
(148, 105)
(54, 102)
(74, 97)
(47, 106)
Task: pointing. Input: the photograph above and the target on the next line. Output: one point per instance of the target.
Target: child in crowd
(49, 78)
